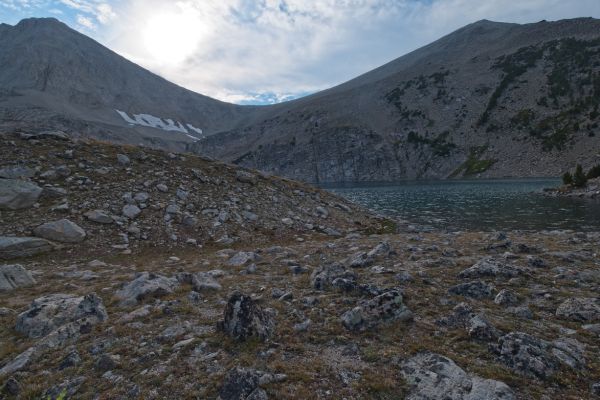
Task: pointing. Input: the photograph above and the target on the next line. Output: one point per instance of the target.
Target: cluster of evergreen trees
(579, 178)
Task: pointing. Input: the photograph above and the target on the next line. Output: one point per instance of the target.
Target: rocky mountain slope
(491, 100)
(52, 77)
(141, 274)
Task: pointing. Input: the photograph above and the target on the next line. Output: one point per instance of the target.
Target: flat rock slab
(433, 376)
(14, 276)
(17, 247)
(62, 230)
(49, 313)
(146, 285)
(16, 194)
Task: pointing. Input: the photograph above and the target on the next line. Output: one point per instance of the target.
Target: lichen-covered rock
(14, 276)
(386, 307)
(432, 376)
(323, 277)
(48, 313)
(244, 319)
(475, 324)
(16, 194)
(17, 247)
(535, 357)
(241, 258)
(474, 289)
(491, 267)
(242, 384)
(146, 285)
(506, 297)
(62, 230)
(580, 309)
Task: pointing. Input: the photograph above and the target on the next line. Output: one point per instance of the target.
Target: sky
(268, 51)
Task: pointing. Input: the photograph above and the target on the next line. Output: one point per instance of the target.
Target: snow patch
(155, 122)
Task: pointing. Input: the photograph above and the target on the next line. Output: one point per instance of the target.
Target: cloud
(266, 50)
(273, 50)
(85, 22)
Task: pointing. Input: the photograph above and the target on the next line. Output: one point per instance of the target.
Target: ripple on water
(477, 205)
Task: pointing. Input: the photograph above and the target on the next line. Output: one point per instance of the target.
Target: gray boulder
(146, 285)
(245, 177)
(123, 160)
(386, 307)
(580, 309)
(17, 194)
(244, 319)
(99, 216)
(241, 258)
(491, 267)
(474, 289)
(62, 230)
(534, 357)
(14, 276)
(242, 384)
(323, 277)
(16, 172)
(48, 313)
(432, 376)
(476, 325)
(16, 247)
(506, 297)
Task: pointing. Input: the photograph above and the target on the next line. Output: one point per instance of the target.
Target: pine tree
(567, 178)
(579, 178)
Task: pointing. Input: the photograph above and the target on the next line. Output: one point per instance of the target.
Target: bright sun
(172, 37)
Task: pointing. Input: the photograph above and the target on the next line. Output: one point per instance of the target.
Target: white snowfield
(158, 123)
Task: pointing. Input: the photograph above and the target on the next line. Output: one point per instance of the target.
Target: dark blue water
(476, 205)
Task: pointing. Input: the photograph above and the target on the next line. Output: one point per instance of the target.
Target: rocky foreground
(141, 274)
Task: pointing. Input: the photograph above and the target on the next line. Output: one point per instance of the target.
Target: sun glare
(172, 37)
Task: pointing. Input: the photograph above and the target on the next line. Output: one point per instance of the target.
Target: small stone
(131, 211)
(123, 160)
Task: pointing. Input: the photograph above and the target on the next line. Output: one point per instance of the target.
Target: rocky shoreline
(590, 191)
(286, 292)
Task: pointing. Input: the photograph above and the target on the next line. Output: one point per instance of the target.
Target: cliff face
(489, 100)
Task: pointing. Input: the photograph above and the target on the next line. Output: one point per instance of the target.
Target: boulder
(16, 247)
(433, 376)
(580, 309)
(16, 172)
(241, 258)
(123, 160)
(245, 177)
(242, 384)
(534, 357)
(16, 194)
(386, 307)
(99, 216)
(491, 267)
(506, 297)
(21, 361)
(48, 313)
(323, 277)
(475, 324)
(146, 285)
(62, 230)
(244, 319)
(474, 289)
(14, 276)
